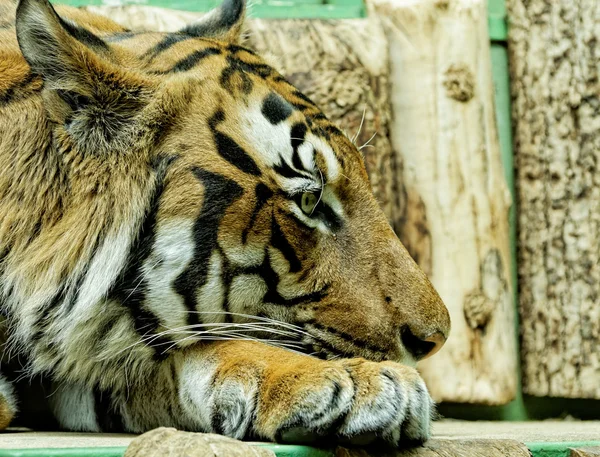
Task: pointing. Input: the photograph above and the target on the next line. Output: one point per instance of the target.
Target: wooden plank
(463, 439)
(455, 201)
(556, 107)
(448, 448)
(585, 452)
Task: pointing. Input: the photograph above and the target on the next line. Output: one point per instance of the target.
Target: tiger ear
(225, 23)
(54, 48)
(84, 88)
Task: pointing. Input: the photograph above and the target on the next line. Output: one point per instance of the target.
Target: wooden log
(554, 50)
(455, 220)
(448, 448)
(586, 452)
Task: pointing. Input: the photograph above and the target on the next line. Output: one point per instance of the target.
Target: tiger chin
(187, 241)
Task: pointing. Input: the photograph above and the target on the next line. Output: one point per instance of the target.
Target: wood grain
(554, 52)
(455, 220)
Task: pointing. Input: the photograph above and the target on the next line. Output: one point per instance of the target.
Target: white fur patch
(7, 391)
(172, 252)
(246, 293)
(331, 161)
(272, 142)
(75, 408)
(211, 296)
(102, 272)
(195, 391)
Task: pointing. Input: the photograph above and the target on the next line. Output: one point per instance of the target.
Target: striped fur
(181, 229)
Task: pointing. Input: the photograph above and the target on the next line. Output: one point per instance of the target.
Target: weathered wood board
(455, 216)
(554, 50)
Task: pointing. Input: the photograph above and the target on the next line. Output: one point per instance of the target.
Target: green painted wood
(558, 449)
(65, 452)
(497, 23)
(269, 9)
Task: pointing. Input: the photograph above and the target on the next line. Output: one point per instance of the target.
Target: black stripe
(17, 91)
(242, 69)
(227, 275)
(265, 270)
(107, 417)
(121, 36)
(280, 242)
(130, 289)
(236, 48)
(83, 35)
(284, 169)
(219, 194)
(230, 150)
(262, 193)
(276, 109)
(326, 213)
(332, 129)
(164, 44)
(189, 62)
(304, 98)
(297, 135)
(353, 340)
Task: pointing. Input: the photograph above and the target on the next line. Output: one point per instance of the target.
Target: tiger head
(204, 188)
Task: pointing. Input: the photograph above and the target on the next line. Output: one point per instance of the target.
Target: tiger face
(192, 186)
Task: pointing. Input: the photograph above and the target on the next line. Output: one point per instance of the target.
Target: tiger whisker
(265, 326)
(220, 328)
(250, 327)
(320, 193)
(355, 137)
(368, 141)
(251, 316)
(143, 276)
(276, 343)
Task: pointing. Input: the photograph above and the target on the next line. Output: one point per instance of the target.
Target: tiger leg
(247, 390)
(8, 403)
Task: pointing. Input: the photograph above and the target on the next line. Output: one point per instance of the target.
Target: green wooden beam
(497, 22)
(268, 9)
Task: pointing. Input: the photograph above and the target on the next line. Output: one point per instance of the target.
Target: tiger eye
(308, 202)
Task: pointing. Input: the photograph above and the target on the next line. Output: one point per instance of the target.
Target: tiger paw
(355, 401)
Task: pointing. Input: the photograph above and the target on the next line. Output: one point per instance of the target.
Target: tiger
(186, 240)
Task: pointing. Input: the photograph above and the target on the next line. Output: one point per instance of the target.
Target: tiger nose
(421, 348)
